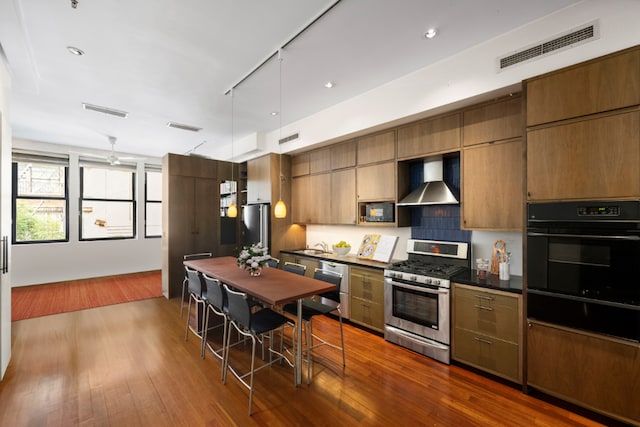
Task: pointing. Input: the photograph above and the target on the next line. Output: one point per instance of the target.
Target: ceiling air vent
(572, 38)
(289, 138)
(183, 127)
(105, 110)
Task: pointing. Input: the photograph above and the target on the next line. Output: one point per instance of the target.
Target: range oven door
(585, 277)
(419, 309)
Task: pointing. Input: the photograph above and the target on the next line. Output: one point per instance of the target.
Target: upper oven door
(586, 262)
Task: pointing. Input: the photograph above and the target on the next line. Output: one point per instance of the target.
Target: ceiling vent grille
(183, 127)
(105, 110)
(289, 138)
(575, 37)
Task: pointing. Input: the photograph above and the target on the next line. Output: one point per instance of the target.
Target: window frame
(82, 199)
(147, 201)
(41, 159)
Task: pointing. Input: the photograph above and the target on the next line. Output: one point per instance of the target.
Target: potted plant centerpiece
(253, 257)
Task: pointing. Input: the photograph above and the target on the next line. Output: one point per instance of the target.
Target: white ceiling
(164, 60)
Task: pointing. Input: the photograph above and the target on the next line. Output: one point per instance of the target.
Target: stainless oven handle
(419, 288)
(585, 236)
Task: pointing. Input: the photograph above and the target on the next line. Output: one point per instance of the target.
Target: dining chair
(325, 303)
(190, 257)
(253, 325)
(273, 262)
(197, 295)
(293, 267)
(216, 303)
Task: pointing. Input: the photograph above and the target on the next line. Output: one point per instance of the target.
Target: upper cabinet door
(300, 164)
(343, 155)
(600, 85)
(377, 148)
(431, 136)
(493, 122)
(320, 160)
(589, 159)
(377, 182)
(259, 180)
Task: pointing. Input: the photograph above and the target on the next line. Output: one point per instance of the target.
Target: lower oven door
(421, 310)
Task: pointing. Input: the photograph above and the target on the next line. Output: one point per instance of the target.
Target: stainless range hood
(434, 191)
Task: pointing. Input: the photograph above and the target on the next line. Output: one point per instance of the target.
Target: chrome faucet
(324, 246)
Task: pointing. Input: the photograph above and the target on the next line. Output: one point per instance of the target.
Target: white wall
(5, 214)
(353, 235)
(54, 262)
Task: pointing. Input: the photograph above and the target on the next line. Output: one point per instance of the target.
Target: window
(153, 203)
(107, 202)
(40, 199)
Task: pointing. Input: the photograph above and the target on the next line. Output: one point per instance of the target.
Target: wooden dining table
(273, 286)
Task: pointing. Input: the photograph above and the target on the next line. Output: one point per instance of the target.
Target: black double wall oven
(583, 265)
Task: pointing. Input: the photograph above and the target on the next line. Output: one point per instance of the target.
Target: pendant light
(280, 210)
(232, 211)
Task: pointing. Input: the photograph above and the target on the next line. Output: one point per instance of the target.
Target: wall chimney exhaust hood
(434, 191)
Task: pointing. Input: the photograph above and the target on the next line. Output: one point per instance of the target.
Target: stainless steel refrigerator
(256, 220)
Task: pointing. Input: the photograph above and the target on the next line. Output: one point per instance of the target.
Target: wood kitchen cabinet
(300, 165)
(486, 330)
(190, 215)
(492, 186)
(343, 197)
(593, 371)
(259, 183)
(264, 186)
(366, 288)
(380, 147)
(343, 155)
(431, 136)
(319, 198)
(603, 84)
(376, 182)
(300, 195)
(320, 160)
(495, 121)
(594, 158)
(310, 263)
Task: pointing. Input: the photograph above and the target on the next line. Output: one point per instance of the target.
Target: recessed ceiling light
(274, 113)
(328, 85)
(431, 33)
(74, 50)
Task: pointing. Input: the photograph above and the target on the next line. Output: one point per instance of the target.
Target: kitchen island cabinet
(590, 370)
(367, 297)
(486, 330)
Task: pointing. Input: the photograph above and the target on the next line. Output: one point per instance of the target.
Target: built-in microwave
(379, 212)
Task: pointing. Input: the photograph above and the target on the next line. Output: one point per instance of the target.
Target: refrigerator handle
(264, 225)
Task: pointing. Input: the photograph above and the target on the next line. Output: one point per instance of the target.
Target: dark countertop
(470, 277)
(350, 258)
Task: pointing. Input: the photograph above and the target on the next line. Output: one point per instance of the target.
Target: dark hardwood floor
(128, 365)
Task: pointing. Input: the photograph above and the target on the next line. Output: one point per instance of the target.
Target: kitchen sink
(313, 251)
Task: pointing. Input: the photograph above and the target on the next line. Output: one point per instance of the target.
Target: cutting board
(498, 255)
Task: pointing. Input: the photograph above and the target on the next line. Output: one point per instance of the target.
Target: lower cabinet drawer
(367, 313)
(486, 353)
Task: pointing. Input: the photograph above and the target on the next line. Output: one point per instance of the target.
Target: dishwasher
(344, 285)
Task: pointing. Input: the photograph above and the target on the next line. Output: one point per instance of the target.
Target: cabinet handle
(482, 307)
(484, 298)
(483, 341)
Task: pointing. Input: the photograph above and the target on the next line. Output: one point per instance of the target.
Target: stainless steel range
(417, 296)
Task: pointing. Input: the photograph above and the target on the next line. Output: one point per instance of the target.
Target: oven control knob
(427, 280)
(436, 282)
(413, 278)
